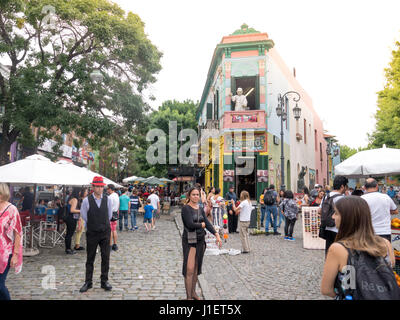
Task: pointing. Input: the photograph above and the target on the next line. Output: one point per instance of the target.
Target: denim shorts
(147, 220)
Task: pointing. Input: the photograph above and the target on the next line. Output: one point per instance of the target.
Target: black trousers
(232, 220)
(71, 226)
(289, 226)
(330, 238)
(101, 239)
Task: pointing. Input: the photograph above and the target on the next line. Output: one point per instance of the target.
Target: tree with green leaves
(181, 113)
(388, 114)
(72, 66)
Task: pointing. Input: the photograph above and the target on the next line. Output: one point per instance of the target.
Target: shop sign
(255, 143)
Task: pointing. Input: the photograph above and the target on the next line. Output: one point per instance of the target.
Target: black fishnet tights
(191, 275)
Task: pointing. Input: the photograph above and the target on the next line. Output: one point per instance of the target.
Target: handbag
(192, 235)
(114, 216)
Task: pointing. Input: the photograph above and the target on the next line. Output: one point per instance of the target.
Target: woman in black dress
(194, 219)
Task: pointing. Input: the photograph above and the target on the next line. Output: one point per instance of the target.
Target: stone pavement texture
(148, 266)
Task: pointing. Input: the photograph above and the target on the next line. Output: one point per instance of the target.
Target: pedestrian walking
(115, 216)
(244, 210)
(80, 226)
(155, 202)
(290, 210)
(357, 249)
(148, 215)
(233, 216)
(280, 212)
(10, 240)
(193, 241)
(135, 204)
(328, 229)
(271, 200)
(73, 215)
(97, 211)
(124, 202)
(381, 207)
(217, 204)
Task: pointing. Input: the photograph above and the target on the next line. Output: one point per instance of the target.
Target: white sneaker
(154, 228)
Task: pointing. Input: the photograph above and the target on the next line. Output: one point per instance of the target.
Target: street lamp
(281, 111)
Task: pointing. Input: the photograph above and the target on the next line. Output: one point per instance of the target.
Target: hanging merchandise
(225, 226)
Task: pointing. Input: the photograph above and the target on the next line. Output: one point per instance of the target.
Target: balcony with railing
(249, 119)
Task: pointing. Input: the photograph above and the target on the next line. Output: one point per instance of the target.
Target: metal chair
(49, 237)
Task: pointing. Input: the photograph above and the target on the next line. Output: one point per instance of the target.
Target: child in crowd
(148, 215)
(290, 210)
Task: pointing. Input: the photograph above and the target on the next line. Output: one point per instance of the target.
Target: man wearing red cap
(96, 211)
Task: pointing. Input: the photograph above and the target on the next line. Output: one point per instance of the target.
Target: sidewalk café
(42, 223)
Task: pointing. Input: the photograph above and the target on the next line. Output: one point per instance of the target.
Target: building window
(320, 150)
(305, 131)
(315, 140)
(251, 89)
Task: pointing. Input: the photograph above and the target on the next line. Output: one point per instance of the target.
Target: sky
(339, 48)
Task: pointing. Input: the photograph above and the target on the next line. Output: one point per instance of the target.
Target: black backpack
(327, 211)
(269, 198)
(374, 278)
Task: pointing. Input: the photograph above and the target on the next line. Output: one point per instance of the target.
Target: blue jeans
(262, 214)
(281, 218)
(123, 214)
(271, 210)
(4, 294)
(134, 212)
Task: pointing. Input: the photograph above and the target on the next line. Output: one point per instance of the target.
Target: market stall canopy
(35, 169)
(374, 163)
(83, 176)
(153, 181)
(165, 180)
(129, 179)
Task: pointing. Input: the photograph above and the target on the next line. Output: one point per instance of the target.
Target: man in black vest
(96, 211)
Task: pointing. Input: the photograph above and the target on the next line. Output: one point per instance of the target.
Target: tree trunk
(5, 146)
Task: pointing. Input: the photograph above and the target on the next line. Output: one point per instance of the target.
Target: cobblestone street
(148, 266)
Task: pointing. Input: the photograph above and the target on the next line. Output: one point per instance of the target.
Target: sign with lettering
(241, 143)
(242, 118)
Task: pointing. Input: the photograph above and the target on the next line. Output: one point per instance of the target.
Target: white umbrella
(35, 169)
(129, 179)
(375, 162)
(82, 176)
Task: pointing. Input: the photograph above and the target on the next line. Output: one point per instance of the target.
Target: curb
(202, 282)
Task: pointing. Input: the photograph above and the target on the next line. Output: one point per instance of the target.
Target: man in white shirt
(381, 206)
(115, 208)
(155, 202)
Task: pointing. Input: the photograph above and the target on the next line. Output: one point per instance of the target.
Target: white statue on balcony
(240, 100)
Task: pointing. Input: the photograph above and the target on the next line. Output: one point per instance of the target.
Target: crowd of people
(356, 226)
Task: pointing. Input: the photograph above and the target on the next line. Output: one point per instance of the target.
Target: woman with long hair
(280, 212)
(80, 224)
(194, 222)
(356, 237)
(244, 210)
(306, 198)
(73, 214)
(318, 200)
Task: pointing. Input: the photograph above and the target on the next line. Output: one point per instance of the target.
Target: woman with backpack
(290, 210)
(358, 255)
